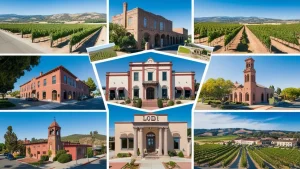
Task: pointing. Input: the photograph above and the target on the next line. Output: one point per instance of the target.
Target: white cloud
(228, 120)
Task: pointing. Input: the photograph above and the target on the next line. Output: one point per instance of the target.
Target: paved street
(172, 49)
(98, 164)
(90, 104)
(11, 44)
(4, 163)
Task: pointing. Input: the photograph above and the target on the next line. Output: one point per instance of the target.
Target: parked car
(32, 99)
(83, 97)
(10, 157)
(5, 154)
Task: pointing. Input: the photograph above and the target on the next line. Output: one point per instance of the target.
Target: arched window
(44, 95)
(129, 21)
(247, 96)
(145, 22)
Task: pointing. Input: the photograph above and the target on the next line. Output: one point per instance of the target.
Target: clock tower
(54, 138)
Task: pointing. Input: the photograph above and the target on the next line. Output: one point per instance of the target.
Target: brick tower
(249, 81)
(54, 139)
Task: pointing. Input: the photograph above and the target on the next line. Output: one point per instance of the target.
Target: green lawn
(6, 104)
(215, 138)
(182, 49)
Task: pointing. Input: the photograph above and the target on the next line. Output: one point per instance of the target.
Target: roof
(258, 85)
(54, 124)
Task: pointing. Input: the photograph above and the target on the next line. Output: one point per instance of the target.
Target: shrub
(44, 158)
(160, 103)
(139, 103)
(128, 101)
(58, 154)
(54, 159)
(138, 152)
(120, 155)
(178, 102)
(64, 158)
(49, 153)
(170, 103)
(172, 164)
(90, 152)
(117, 48)
(172, 153)
(213, 105)
(245, 104)
(180, 154)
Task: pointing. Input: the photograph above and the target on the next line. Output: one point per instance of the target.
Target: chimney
(41, 73)
(125, 14)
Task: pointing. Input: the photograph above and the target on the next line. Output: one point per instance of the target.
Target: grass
(182, 49)
(103, 54)
(215, 138)
(77, 137)
(6, 104)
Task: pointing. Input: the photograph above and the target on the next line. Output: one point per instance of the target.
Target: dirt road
(283, 48)
(254, 44)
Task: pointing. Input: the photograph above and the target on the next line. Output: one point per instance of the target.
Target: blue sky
(46, 7)
(122, 65)
(80, 66)
(280, 71)
(288, 121)
(29, 125)
(121, 114)
(278, 9)
(178, 11)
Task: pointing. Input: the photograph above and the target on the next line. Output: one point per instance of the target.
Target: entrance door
(65, 95)
(112, 94)
(54, 95)
(150, 93)
(150, 137)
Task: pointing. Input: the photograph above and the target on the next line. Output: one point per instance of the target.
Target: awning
(187, 88)
(178, 88)
(121, 88)
(112, 88)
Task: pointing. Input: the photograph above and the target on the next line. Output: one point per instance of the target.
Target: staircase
(151, 156)
(150, 103)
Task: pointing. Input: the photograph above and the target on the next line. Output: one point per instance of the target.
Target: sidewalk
(51, 105)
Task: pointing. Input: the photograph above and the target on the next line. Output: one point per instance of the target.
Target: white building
(285, 143)
(247, 141)
(150, 80)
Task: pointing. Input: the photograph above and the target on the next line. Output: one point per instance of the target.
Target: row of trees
(12, 144)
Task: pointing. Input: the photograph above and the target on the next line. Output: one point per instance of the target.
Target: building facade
(151, 135)
(149, 27)
(247, 141)
(250, 92)
(57, 85)
(150, 80)
(53, 144)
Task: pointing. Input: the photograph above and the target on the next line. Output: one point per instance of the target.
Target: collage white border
(143, 110)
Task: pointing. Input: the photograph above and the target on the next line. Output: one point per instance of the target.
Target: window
(65, 79)
(154, 24)
(150, 76)
(161, 26)
(145, 22)
(44, 95)
(129, 21)
(45, 82)
(123, 143)
(130, 141)
(38, 84)
(164, 76)
(136, 93)
(53, 79)
(136, 76)
(164, 93)
(176, 143)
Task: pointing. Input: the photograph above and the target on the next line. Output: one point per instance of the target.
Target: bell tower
(249, 81)
(125, 8)
(54, 138)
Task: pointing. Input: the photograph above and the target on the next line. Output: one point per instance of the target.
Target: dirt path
(254, 44)
(283, 48)
(233, 45)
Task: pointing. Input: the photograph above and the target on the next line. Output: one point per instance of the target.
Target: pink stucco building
(58, 85)
(251, 92)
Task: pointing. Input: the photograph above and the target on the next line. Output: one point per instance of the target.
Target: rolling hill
(85, 139)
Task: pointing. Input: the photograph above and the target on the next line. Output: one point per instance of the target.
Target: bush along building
(149, 30)
(57, 85)
(151, 135)
(150, 80)
(53, 145)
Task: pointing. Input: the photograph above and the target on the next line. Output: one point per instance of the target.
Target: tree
(119, 35)
(189, 132)
(217, 88)
(12, 68)
(2, 147)
(91, 84)
(290, 93)
(197, 85)
(97, 93)
(11, 140)
(272, 87)
(278, 91)
(15, 93)
(21, 148)
(95, 132)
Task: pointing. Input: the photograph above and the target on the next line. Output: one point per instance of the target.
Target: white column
(166, 142)
(142, 142)
(135, 142)
(160, 142)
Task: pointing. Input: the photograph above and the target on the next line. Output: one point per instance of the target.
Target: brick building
(150, 80)
(58, 85)
(148, 27)
(53, 144)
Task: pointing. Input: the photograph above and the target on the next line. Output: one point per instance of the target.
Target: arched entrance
(168, 40)
(150, 93)
(241, 97)
(267, 97)
(69, 95)
(157, 40)
(235, 97)
(74, 95)
(247, 97)
(150, 142)
(54, 95)
(146, 39)
(65, 95)
(262, 97)
(162, 40)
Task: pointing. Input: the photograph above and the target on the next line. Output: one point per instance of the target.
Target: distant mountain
(64, 17)
(241, 19)
(85, 139)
